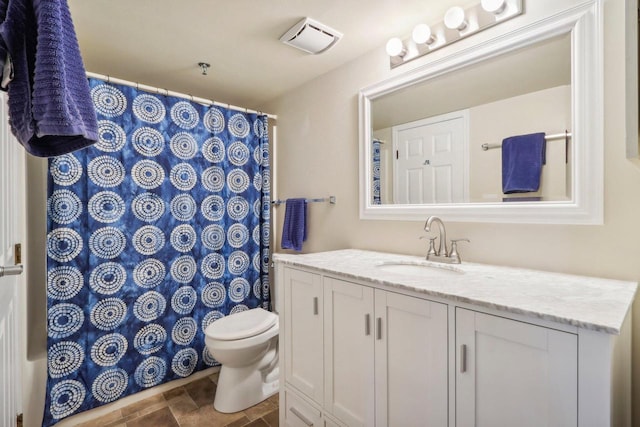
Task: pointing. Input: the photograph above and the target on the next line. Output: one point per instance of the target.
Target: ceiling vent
(311, 36)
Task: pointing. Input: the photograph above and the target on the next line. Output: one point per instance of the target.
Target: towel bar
(565, 135)
(330, 199)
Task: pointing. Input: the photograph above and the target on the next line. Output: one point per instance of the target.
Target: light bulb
(422, 34)
(395, 47)
(494, 6)
(454, 19)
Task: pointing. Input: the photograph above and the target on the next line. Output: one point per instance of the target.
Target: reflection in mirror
(428, 137)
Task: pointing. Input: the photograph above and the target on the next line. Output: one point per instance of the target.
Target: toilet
(246, 345)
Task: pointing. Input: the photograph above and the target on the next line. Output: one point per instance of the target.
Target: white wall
(318, 155)
(35, 294)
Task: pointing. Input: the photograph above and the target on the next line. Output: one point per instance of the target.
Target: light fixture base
(476, 18)
(204, 67)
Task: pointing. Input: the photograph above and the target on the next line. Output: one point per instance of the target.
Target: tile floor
(188, 406)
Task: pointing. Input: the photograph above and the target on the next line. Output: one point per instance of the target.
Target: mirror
(422, 133)
(431, 152)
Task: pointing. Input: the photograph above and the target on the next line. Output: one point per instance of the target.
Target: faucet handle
(460, 240)
(454, 250)
(432, 245)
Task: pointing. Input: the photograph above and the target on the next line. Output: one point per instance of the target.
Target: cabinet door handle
(379, 328)
(298, 414)
(463, 358)
(367, 324)
(315, 306)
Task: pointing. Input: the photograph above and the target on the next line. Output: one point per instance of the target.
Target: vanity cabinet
(363, 348)
(385, 357)
(513, 373)
(348, 352)
(303, 366)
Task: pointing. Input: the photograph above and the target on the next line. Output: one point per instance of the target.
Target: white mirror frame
(584, 22)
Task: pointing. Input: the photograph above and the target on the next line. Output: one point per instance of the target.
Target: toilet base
(241, 388)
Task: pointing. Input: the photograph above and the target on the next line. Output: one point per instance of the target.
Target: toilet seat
(241, 325)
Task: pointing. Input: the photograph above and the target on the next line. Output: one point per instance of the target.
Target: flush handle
(379, 328)
(315, 306)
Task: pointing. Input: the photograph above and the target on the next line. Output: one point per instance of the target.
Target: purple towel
(522, 160)
(50, 106)
(294, 230)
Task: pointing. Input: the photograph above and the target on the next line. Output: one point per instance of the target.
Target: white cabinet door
(511, 373)
(303, 331)
(411, 360)
(348, 357)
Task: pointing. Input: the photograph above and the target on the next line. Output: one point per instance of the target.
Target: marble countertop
(586, 302)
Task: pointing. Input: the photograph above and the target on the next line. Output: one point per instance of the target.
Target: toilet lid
(241, 325)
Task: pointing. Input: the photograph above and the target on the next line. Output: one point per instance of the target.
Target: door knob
(13, 270)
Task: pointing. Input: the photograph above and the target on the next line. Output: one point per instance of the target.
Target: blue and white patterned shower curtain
(158, 230)
(375, 163)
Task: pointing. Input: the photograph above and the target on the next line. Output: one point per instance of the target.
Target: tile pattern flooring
(188, 406)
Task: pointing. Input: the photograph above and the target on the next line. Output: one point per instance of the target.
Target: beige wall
(546, 111)
(318, 155)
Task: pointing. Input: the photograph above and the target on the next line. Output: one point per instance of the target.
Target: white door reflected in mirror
(428, 161)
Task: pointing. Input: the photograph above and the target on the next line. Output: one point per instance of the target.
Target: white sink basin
(420, 269)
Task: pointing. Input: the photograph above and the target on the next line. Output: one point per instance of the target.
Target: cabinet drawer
(331, 423)
(299, 413)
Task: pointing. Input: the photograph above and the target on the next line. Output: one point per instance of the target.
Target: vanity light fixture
(457, 24)
(395, 48)
(494, 6)
(454, 19)
(422, 35)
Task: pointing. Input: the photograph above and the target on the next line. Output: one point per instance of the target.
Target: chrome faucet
(442, 254)
(442, 250)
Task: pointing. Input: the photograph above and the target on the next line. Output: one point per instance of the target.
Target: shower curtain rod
(176, 94)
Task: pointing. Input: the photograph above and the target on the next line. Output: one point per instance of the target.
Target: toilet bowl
(246, 345)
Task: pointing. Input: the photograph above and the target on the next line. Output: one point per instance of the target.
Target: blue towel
(50, 106)
(294, 230)
(522, 160)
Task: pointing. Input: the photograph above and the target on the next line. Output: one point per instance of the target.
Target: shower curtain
(154, 233)
(375, 163)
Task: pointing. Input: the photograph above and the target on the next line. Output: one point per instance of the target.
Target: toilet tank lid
(241, 325)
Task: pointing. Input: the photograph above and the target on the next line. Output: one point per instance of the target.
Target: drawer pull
(379, 328)
(463, 358)
(367, 324)
(298, 414)
(315, 306)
